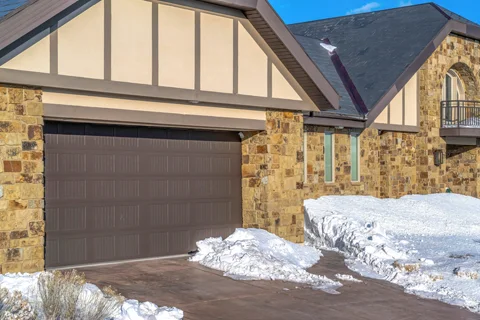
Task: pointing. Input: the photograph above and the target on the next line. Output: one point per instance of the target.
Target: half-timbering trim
(36, 79)
(334, 122)
(395, 127)
(43, 13)
(452, 26)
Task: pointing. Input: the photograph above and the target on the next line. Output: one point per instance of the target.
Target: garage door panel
(116, 193)
(153, 145)
(154, 164)
(127, 163)
(158, 244)
(101, 163)
(71, 189)
(103, 217)
(104, 248)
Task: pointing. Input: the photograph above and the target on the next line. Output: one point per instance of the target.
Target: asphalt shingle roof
(375, 48)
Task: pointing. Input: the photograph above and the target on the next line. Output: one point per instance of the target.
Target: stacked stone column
(21, 180)
(272, 172)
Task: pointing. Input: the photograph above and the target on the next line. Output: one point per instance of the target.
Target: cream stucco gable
(165, 45)
(402, 112)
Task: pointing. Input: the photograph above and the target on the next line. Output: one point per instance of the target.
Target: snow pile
(347, 277)
(430, 245)
(328, 47)
(252, 254)
(131, 309)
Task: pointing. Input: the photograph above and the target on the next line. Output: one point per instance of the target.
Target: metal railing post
(458, 114)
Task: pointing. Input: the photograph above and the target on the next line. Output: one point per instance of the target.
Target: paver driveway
(203, 293)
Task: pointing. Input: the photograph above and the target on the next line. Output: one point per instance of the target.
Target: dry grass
(62, 297)
(469, 274)
(436, 277)
(15, 307)
(59, 293)
(406, 267)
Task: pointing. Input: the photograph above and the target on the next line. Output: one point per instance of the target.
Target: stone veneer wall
(387, 163)
(394, 164)
(21, 180)
(272, 176)
(315, 185)
(459, 173)
(462, 168)
(398, 174)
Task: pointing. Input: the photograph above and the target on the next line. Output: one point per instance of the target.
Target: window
(355, 156)
(452, 90)
(328, 153)
(305, 157)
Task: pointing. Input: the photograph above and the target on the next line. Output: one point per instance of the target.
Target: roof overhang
(259, 12)
(272, 28)
(452, 26)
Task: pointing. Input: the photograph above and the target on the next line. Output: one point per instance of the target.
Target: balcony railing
(460, 114)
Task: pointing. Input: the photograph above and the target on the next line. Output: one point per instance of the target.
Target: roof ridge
(441, 10)
(363, 13)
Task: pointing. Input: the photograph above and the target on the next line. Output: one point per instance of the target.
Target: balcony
(460, 118)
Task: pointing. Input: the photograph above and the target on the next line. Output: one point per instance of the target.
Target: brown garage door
(117, 193)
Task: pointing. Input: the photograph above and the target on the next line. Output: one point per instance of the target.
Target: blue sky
(303, 10)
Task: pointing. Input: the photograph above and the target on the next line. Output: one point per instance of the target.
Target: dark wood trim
(275, 61)
(461, 141)
(155, 52)
(118, 116)
(326, 97)
(54, 49)
(451, 26)
(269, 78)
(35, 17)
(30, 18)
(395, 127)
(334, 122)
(239, 4)
(71, 15)
(204, 6)
(460, 132)
(108, 40)
(418, 99)
(388, 113)
(198, 51)
(36, 79)
(235, 56)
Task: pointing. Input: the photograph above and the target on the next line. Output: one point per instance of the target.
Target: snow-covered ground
(131, 309)
(430, 244)
(252, 254)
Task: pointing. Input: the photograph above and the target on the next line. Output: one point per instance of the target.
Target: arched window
(453, 88)
(453, 91)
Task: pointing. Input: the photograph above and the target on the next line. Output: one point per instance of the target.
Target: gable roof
(380, 51)
(25, 19)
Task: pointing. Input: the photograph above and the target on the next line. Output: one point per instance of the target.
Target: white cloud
(366, 8)
(404, 3)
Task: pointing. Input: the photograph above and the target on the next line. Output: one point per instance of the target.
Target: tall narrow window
(355, 156)
(453, 90)
(305, 157)
(328, 153)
